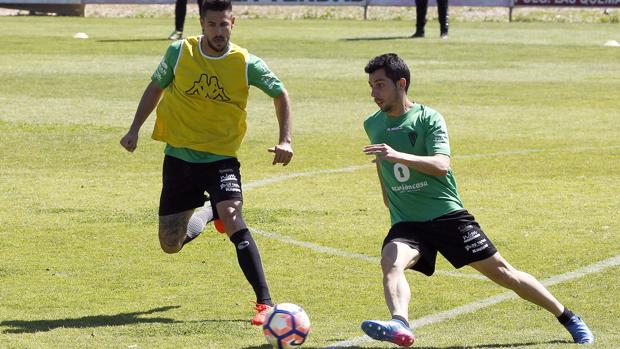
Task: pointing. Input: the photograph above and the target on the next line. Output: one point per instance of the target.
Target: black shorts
(185, 184)
(457, 236)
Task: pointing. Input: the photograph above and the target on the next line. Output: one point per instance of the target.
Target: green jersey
(412, 195)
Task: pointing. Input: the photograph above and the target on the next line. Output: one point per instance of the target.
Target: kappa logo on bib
(209, 87)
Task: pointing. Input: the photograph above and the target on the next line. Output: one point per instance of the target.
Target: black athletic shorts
(456, 235)
(185, 184)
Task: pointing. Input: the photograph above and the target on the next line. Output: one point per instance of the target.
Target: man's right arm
(148, 102)
(376, 162)
(383, 193)
(161, 78)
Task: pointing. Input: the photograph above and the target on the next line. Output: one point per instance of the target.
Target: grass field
(534, 114)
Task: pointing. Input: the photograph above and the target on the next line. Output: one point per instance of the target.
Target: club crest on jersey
(209, 87)
(412, 137)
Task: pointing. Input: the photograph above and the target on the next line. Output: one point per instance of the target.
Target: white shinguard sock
(199, 220)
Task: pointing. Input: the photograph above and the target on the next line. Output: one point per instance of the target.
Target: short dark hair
(215, 5)
(395, 68)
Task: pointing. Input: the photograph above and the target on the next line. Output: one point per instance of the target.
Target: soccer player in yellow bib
(200, 89)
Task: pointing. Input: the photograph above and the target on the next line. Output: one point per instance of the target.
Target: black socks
(251, 265)
(401, 319)
(566, 315)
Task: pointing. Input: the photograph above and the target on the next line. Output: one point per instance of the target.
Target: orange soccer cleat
(261, 315)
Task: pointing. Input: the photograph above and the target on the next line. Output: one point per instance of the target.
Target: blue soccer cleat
(579, 330)
(390, 331)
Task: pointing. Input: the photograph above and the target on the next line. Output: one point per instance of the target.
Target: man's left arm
(434, 165)
(283, 151)
(261, 76)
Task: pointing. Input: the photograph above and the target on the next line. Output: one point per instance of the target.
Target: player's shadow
(133, 40)
(238, 321)
(32, 326)
(376, 38)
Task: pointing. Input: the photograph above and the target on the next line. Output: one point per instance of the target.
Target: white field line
(276, 179)
(474, 306)
(340, 253)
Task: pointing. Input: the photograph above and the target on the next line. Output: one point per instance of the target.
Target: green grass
(81, 265)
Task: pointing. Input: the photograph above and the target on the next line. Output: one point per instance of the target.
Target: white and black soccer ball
(286, 326)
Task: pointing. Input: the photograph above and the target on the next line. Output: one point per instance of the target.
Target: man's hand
(130, 141)
(382, 152)
(283, 153)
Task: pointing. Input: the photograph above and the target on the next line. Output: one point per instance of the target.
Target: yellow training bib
(204, 106)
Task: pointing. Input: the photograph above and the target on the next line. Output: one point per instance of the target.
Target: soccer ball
(286, 326)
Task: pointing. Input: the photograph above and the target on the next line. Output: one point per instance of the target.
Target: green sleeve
(164, 73)
(437, 141)
(261, 76)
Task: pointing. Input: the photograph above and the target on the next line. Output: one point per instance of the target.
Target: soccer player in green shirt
(412, 152)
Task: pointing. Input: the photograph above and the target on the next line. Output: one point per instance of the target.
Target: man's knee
(390, 263)
(170, 249)
(171, 241)
(172, 230)
(229, 213)
(396, 257)
(229, 209)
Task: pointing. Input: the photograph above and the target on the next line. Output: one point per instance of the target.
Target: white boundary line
(472, 307)
(340, 253)
(272, 180)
